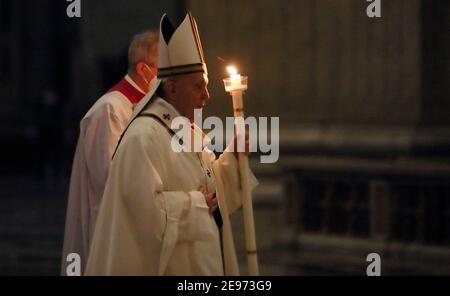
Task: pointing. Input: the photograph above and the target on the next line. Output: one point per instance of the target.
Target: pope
(156, 216)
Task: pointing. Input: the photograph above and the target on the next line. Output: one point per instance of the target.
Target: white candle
(236, 85)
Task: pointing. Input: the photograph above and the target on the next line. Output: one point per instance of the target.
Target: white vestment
(152, 220)
(100, 130)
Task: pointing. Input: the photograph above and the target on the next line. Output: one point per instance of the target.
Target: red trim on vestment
(128, 90)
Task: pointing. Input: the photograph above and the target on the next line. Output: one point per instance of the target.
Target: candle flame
(232, 70)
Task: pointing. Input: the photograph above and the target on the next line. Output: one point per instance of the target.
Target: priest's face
(190, 92)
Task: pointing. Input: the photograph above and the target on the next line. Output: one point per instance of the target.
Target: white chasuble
(152, 220)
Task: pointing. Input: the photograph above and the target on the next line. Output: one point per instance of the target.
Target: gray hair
(143, 48)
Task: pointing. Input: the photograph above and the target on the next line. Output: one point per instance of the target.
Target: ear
(139, 69)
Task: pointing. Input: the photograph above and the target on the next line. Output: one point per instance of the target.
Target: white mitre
(180, 50)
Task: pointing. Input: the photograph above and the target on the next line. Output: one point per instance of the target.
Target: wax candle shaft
(247, 208)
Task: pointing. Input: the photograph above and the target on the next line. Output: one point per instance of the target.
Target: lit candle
(236, 85)
(234, 77)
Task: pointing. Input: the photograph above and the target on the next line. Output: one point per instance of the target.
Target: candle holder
(235, 84)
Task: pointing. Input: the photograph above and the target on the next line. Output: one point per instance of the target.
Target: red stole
(128, 90)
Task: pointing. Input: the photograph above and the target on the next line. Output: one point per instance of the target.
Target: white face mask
(152, 83)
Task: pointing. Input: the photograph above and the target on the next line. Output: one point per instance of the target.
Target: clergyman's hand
(210, 199)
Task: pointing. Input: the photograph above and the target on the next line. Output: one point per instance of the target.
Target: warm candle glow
(235, 77)
(232, 70)
(235, 82)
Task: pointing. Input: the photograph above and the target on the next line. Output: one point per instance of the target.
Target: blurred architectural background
(364, 107)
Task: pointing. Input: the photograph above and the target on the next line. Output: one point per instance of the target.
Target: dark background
(364, 111)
